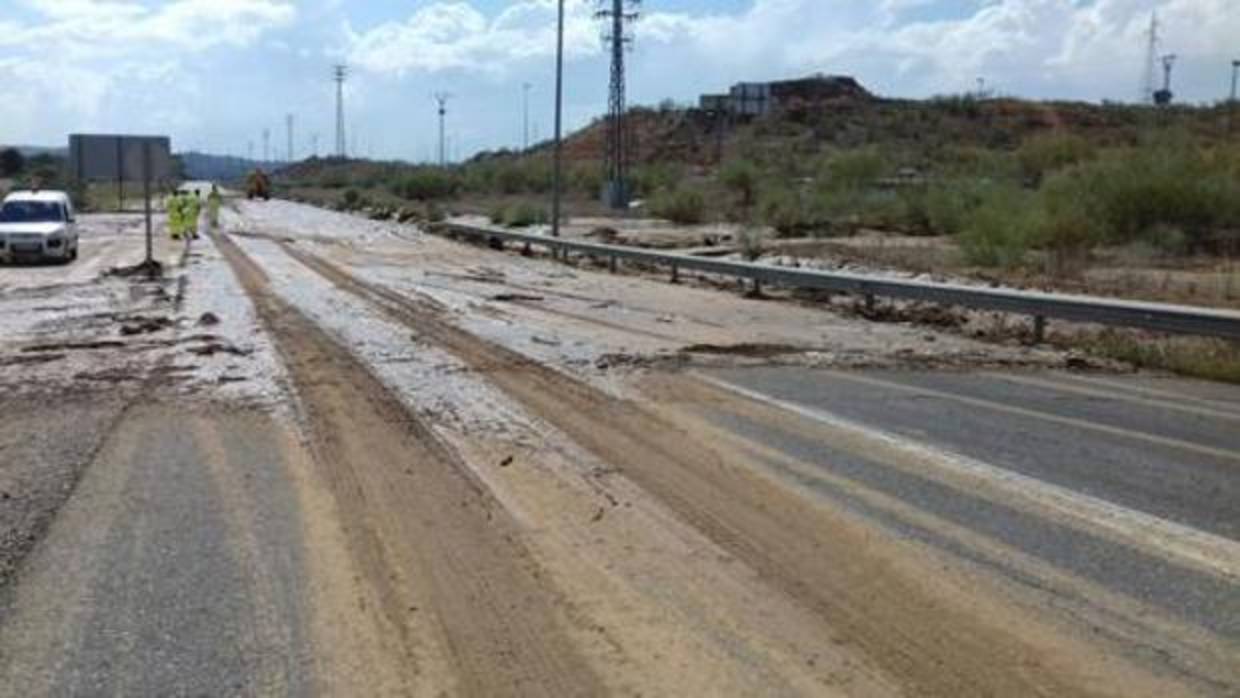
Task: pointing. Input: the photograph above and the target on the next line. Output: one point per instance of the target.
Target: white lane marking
(1178, 542)
(1156, 393)
(1180, 444)
(1163, 404)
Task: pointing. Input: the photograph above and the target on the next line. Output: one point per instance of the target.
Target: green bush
(1071, 220)
(683, 205)
(785, 209)
(742, 178)
(649, 179)
(853, 169)
(974, 162)
(427, 184)
(523, 176)
(1130, 192)
(585, 179)
(334, 179)
(435, 213)
(948, 204)
(510, 179)
(1049, 152)
(524, 215)
(1002, 229)
(352, 200)
(752, 241)
(11, 162)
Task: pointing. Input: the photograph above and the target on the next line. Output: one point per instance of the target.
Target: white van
(38, 225)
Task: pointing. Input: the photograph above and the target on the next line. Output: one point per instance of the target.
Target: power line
(442, 99)
(617, 13)
(340, 73)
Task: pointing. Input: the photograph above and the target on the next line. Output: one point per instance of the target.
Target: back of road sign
(118, 157)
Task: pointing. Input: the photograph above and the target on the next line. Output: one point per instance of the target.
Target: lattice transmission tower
(617, 16)
(1150, 67)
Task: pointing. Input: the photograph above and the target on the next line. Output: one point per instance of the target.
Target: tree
(11, 162)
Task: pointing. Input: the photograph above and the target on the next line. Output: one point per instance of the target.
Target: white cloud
(81, 59)
(69, 64)
(454, 35)
(1041, 47)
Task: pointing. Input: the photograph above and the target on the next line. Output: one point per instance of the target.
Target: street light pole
(442, 99)
(559, 122)
(1231, 104)
(525, 108)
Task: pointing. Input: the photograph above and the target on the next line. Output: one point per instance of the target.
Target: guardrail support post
(1039, 329)
(675, 274)
(869, 303)
(611, 264)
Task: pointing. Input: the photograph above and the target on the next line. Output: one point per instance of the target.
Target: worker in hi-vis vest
(193, 210)
(176, 216)
(213, 208)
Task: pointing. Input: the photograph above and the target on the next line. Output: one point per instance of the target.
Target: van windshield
(31, 212)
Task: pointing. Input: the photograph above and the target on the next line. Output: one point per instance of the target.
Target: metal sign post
(559, 111)
(146, 159)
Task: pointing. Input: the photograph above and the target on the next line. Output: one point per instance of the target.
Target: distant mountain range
(197, 165)
(221, 167)
(33, 150)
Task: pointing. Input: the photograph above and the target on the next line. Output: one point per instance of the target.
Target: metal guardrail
(1158, 317)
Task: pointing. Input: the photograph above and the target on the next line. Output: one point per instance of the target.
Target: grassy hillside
(1014, 182)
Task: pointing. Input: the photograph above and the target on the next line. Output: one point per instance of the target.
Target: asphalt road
(1167, 455)
(175, 569)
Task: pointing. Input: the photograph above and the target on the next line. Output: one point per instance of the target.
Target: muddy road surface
(325, 456)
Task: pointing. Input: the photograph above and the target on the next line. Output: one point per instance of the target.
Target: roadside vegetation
(1111, 199)
(1014, 184)
(45, 171)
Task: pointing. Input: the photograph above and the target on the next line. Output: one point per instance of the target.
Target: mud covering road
(406, 466)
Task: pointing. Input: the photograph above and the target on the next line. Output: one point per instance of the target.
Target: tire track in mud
(932, 636)
(472, 609)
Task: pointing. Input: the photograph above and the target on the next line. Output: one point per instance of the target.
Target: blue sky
(214, 73)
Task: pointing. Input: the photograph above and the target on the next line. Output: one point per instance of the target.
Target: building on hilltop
(753, 99)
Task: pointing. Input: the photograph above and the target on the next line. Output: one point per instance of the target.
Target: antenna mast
(617, 14)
